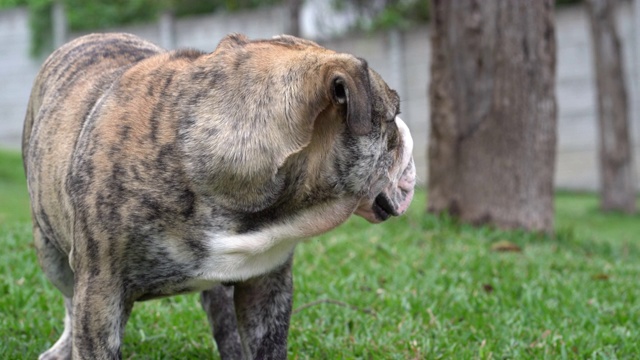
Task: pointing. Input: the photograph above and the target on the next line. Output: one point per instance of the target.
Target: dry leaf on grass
(600, 277)
(505, 246)
(539, 342)
(488, 288)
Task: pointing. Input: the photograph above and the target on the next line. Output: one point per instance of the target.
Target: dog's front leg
(263, 308)
(221, 312)
(100, 313)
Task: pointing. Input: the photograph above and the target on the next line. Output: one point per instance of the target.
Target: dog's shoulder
(93, 55)
(86, 63)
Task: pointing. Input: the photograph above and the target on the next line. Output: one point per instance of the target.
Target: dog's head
(373, 151)
(289, 124)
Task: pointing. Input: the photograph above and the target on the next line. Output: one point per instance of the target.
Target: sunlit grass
(416, 287)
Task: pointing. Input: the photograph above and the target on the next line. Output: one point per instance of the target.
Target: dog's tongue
(392, 201)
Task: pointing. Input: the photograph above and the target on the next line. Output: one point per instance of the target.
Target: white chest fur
(234, 257)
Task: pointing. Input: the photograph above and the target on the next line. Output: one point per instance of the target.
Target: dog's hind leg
(221, 312)
(263, 309)
(100, 312)
(62, 348)
(55, 265)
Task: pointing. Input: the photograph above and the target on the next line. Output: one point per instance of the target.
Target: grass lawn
(416, 287)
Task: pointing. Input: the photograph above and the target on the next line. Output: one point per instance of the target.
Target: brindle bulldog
(154, 173)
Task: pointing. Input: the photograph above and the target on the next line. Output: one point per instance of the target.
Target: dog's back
(69, 84)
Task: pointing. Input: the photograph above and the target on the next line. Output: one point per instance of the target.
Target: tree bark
(493, 112)
(617, 191)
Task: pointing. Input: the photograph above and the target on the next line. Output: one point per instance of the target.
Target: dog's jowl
(153, 173)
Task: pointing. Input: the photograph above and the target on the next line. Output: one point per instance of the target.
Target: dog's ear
(233, 40)
(295, 41)
(353, 91)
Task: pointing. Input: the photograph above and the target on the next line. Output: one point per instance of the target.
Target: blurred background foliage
(86, 15)
(385, 14)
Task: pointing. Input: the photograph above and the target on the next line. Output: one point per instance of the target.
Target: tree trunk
(294, 7)
(493, 112)
(616, 173)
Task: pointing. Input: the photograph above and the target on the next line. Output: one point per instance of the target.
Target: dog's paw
(61, 350)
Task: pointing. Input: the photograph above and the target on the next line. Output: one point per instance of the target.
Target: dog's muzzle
(396, 197)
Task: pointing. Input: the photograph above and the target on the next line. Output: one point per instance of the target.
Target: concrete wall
(402, 58)
(17, 71)
(577, 165)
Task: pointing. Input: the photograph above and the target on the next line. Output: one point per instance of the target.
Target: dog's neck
(237, 136)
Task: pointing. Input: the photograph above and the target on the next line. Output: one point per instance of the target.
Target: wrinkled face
(385, 167)
(395, 187)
